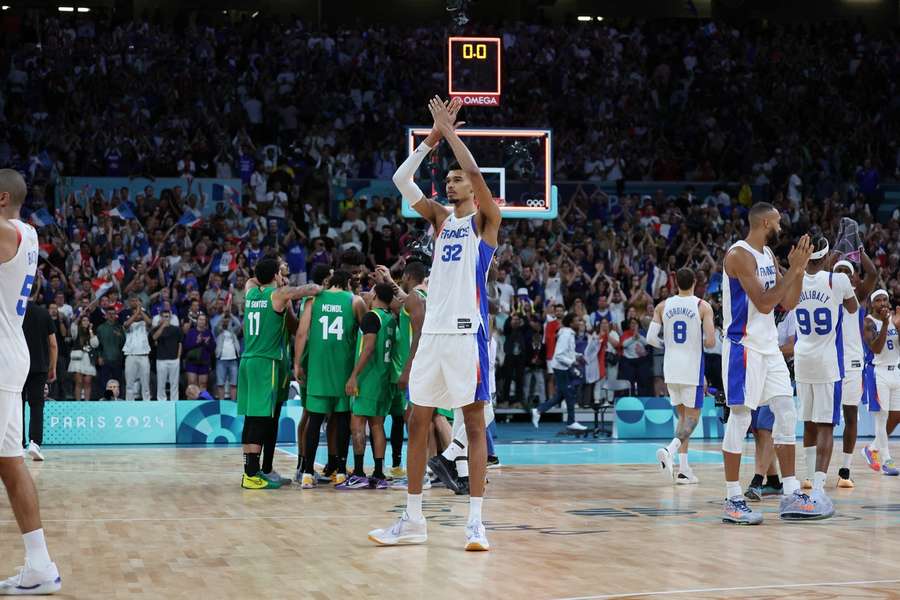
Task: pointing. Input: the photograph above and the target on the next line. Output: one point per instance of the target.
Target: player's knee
(474, 417)
(736, 429)
(256, 430)
(784, 432)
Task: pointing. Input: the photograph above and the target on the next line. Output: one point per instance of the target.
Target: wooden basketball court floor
(171, 523)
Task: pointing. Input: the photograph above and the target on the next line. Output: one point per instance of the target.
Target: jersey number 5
(22, 304)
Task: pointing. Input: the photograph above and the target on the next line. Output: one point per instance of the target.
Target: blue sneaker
(354, 483)
(736, 511)
(889, 468)
(801, 507)
(822, 499)
(753, 493)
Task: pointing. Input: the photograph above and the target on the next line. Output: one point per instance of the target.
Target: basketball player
(260, 375)
(762, 421)
(880, 334)
(409, 329)
(369, 389)
(687, 325)
(755, 373)
(18, 266)
(819, 360)
(329, 327)
(450, 368)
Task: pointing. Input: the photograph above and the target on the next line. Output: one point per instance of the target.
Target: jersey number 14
(335, 327)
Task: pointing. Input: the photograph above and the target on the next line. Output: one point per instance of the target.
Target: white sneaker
(664, 462)
(576, 426)
(34, 451)
(686, 478)
(535, 417)
(31, 582)
(404, 531)
(476, 537)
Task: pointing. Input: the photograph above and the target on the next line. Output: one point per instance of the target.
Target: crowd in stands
(809, 114)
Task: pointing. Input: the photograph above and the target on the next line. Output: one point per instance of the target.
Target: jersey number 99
(821, 317)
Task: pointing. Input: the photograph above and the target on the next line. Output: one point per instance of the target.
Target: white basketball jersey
(683, 334)
(16, 281)
(890, 352)
(819, 350)
(851, 328)
(743, 323)
(457, 285)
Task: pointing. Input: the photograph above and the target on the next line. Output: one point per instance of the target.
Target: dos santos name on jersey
(259, 304)
(680, 310)
(455, 234)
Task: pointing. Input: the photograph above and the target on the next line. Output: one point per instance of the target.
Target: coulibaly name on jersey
(259, 304)
(332, 308)
(815, 295)
(455, 234)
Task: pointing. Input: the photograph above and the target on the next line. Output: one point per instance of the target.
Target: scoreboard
(474, 70)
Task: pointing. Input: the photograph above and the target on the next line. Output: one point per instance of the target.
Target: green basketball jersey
(304, 360)
(331, 344)
(403, 340)
(264, 329)
(375, 378)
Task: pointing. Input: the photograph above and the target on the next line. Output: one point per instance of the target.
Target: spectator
(199, 349)
(111, 360)
(516, 352)
(61, 332)
(40, 333)
(634, 349)
(227, 329)
(351, 231)
(564, 359)
(167, 336)
(83, 356)
(193, 392)
(112, 390)
(137, 351)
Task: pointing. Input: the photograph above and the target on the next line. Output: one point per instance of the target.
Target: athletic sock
(848, 460)
(414, 507)
(36, 555)
(379, 469)
(757, 481)
(331, 465)
(251, 463)
(300, 462)
(810, 454)
(358, 465)
(819, 481)
(881, 438)
(454, 450)
(673, 446)
(475, 509)
(462, 467)
(683, 466)
(773, 481)
(790, 484)
(732, 489)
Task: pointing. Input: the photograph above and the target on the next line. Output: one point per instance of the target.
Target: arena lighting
(599, 18)
(254, 15)
(585, 18)
(66, 9)
(83, 9)
(4, 7)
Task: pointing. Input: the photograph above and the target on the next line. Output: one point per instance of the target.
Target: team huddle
(841, 357)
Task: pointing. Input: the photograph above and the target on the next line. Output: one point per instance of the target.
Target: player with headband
(854, 362)
(883, 388)
(819, 363)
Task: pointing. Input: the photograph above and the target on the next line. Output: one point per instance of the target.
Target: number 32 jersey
(819, 349)
(457, 286)
(683, 334)
(17, 275)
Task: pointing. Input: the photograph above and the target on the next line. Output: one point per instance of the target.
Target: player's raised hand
(440, 112)
(383, 274)
(799, 255)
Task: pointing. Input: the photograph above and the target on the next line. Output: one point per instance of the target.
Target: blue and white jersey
(457, 285)
(683, 334)
(17, 275)
(744, 324)
(819, 350)
(890, 352)
(852, 328)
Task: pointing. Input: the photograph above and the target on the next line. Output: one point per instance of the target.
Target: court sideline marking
(735, 589)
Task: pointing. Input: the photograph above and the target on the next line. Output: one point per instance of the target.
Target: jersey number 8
(679, 332)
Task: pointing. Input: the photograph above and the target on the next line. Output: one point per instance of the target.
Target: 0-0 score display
(474, 70)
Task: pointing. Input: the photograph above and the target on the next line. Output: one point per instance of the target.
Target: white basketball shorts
(450, 370)
(687, 395)
(10, 424)
(750, 378)
(820, 402)
(887, 388)
(852, 388)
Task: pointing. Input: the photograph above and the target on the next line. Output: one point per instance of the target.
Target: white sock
(36, 555)
(683, 466)
(819, 481)
(414, 507)
(454, 450)
(462, 467)
(673, 446)
(881, 439)
(732, 489)
(810, 454)
(848, 460)
(790, 484)
(475, 508)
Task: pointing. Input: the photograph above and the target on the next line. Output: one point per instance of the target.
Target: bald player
(18, 266)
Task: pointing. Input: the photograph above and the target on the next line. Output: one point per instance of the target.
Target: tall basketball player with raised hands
(450, 368)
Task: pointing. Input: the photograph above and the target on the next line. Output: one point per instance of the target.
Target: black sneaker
(445, 471)
(493, 462)
(463, 486)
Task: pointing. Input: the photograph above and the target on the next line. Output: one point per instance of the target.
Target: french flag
(117, 269)
(42, 218)
(144, 250)
(224, 262)
(101, 285)
(123, 211)
(190, 219)
(226, 193)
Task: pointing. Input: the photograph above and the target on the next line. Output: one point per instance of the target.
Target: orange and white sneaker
(476, 537)
(872, 458)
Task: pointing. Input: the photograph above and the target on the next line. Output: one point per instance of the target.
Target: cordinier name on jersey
(331, 308)
(680, 311)
(817, 295)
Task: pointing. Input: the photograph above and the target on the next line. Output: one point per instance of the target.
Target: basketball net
(848, 243)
